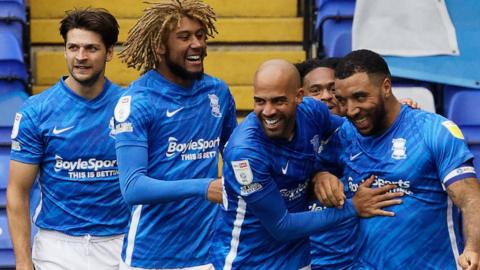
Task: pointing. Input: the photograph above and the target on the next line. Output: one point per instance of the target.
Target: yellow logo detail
(454, 129)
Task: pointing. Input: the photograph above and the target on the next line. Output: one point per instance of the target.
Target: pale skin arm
(465, 194)
(20, 182)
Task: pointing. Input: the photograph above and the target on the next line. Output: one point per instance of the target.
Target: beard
(379, 118)
(180, 71)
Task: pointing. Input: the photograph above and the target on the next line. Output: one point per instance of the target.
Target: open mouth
(271, 123)
(194, 59)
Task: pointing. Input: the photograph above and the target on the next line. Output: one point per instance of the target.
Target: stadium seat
(7, 257)
(334, 26)
(13, 18)
(4, 161)
(421, 95)
(464, 110)
(12, 66)
(12, 96)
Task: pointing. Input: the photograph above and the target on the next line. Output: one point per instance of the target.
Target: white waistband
(72, 238)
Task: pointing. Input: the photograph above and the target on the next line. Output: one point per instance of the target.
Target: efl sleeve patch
(243, 172)
(16, 125)
(453, 129)
(122, 110)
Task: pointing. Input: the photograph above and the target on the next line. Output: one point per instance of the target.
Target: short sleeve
(132, 120)
(27, 143)
(247, 173)
(449, 149)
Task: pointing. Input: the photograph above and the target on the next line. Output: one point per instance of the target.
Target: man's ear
(161, 50)
(109, 53)
(387, 87)
(299, 95)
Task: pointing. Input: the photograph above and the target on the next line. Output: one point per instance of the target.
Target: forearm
(19, 225)
(139, 188)
(471, 221)
(285, 226)
(146, 190)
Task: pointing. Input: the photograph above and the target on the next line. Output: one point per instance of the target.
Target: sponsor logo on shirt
(402, 185)
(194, 149)
(215, 105)
(90, 168)
(172, 113)
(61, 130)
(316, 207)
(249, 189)
(294, 193)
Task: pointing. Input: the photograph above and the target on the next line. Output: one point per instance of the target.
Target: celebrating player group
(329, 171)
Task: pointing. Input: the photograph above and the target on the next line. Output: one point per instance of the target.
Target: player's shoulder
(213, 85)
(248, 134)
(312, 109)
(422, 119)
(44, 100)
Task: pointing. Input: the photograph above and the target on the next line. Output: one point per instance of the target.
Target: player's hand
(328, 189)
(24, 266)
(469, 260)
(410, 102)
(215, 190)
(369, 201)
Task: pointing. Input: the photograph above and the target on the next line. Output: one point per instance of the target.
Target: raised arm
(20, 182)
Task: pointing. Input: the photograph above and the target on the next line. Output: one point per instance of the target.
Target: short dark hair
(308, 65)
(97, 20)
(362, 61)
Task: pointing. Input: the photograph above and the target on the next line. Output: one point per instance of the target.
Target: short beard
(181, 72)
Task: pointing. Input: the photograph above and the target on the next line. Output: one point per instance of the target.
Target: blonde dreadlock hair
(154, 26)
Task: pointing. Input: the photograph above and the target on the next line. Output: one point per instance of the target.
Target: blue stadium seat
(12, 66)
(7, 257)
(12, 96)
(13, 18)
(4, 161)
(464, 110)
(334, 26)
(422, 95)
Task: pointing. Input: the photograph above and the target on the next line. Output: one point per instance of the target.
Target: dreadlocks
(154, 26)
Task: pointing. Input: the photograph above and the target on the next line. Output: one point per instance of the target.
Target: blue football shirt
(183, 129)
(253, 166)
(71, 139)
(422, 153)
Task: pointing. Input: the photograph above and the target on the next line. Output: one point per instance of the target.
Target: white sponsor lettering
(80, 164)
(123, 127)
(402, 185)
(199, 145)
(249, 189)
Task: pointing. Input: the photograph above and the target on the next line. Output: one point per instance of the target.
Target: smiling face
(320, 84)
(182, 56)
(364, 100)
(276, 97)
(86, 57)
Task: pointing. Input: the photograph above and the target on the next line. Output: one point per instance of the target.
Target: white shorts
(124, 266)
(54, 250)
